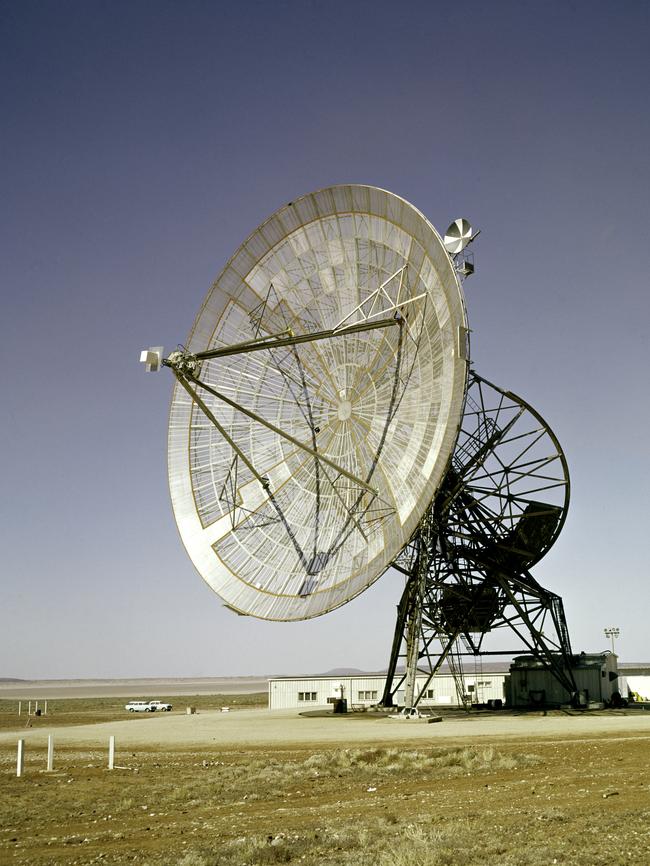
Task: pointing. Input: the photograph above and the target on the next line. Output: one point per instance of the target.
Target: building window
(367, 696)
(484, 683)
(429, 694)
(307, 696)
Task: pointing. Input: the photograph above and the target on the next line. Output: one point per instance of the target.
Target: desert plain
(254, 786)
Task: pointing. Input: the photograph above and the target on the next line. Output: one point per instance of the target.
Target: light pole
(612, 633)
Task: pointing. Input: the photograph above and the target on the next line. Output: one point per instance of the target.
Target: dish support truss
(500, 508)
(359, 499)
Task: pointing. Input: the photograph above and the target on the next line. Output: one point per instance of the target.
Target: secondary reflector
(457, 236)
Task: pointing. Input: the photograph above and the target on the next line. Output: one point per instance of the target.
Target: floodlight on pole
(612, 633)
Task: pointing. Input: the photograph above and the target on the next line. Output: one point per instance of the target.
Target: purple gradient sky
(142, 141)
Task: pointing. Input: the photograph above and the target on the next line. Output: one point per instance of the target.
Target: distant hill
(343, 672)
(11, 680)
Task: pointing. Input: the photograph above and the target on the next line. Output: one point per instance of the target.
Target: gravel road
(286, 728)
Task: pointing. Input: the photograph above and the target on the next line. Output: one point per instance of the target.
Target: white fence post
(20, 707)
(45, 713)
(20, 758)
(29, 711)
(111, 752)
(50, 752)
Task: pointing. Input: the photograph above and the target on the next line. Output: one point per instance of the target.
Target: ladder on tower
(456, 667)
(561, 625)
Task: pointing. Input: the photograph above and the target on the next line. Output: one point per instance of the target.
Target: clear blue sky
(141, 143)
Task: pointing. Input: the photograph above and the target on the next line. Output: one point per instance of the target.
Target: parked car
(160, 705)
(139, 707)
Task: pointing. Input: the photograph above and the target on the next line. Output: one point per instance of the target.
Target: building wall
(362, 691)
(530, 683)
(639, 684)
(310, 693)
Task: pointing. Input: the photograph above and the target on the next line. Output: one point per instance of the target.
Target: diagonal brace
(255, 417)
(277, 341)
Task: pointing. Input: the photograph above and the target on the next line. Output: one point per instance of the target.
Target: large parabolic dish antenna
(317, 402)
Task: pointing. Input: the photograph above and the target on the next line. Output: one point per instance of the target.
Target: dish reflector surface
(381, 406)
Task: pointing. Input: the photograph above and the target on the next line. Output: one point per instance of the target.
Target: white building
(595, 675)
(364, 690)
(634, 678)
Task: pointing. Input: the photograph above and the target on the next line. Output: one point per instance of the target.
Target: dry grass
(88, 711)
(442, 806)
(380, 762)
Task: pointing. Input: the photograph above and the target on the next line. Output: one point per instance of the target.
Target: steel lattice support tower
(500, 508)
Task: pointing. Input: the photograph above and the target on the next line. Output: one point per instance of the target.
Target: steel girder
(500, 508)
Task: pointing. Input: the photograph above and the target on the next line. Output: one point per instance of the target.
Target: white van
(160, 705)
(139, 707)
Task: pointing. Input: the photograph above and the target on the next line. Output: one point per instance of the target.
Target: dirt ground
(286, 728)
(91, 711)
(255, 786)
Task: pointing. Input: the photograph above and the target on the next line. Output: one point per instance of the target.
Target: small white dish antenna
(457, 236)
